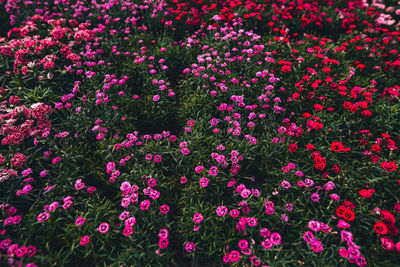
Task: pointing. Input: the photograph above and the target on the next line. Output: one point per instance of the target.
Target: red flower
(393, 230)
(318, 107)
(310, 147)
(397, 207)
(361, 66)
(366, 113)
(376, 148)
(389, 166)
(320, 165)
(375, 158)
(337, 146)
(285, 68)
(340, 211)
(380, 228)
(366, 193)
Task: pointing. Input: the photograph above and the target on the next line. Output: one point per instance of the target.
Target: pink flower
(234, 256)
(43, 216)
(243, 244)
(183, 180)
(145, 204)
(197, 218)
(79, 184)
(285, 184)
(343, 224)
(266, 243)
(163, 233)
(163, 243)
(213, 171)
(316, 246)
(164, 209)
(103, 228)
(314, 226)
(56, 160)
(80, 221)
(85, 240)
(131, 221)
(190, 247)
(315, 197)
(199, 169)
(127, 231)
(157, 158)
(222, 211)
(185, 151)
(234, 213)
(343, 252)
(203, 182)
(308, 237)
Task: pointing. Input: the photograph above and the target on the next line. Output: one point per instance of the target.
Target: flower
(203, 182)
(389, 166)
(380, 228)
(43, 216)
(103, 228)
(190, 247)
(163, 243)
(80, 221)
(222, 211)
(197, 218)
(85, 240)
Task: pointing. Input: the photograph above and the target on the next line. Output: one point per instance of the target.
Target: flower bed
(199, 133)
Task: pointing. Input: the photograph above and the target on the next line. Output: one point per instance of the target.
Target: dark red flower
(388, 217)
(293, 147)
(349, 215)
(393, 230)
(375, 158)
(336, 168)
(349, 205)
